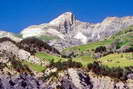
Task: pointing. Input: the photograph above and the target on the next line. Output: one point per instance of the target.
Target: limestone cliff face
(71, 31)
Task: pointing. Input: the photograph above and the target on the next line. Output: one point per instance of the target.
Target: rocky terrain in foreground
(67, 79)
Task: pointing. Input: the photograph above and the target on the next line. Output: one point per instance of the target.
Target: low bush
(119, 73)
(100, 49)
(66, 64)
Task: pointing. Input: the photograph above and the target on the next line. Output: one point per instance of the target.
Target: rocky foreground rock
(69, 79)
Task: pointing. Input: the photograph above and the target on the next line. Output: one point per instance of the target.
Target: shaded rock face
(67, 84)
(130, 76)
(63, 22)
(34, 45)
(76, 79)
(74, 32)
(71, 79)
(105, 82)
(79, 79)
(22, 81)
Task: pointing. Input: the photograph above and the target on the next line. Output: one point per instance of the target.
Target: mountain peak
(68, 14)
(66, 17)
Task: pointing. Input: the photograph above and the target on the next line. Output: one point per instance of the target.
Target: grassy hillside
(112, 60)
(91, 46)
(117, 60)
(48, 57)
(84, 60)
(35, 67)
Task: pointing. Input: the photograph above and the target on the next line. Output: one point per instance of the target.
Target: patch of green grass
(84, 60)
(117, 60)
(45, 56)
(35, 67)
(90, 46)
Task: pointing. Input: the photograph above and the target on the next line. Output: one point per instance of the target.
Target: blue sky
(18, 14)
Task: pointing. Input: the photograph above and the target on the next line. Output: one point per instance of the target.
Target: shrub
(100, 49)
(120, 73)
(66, 64)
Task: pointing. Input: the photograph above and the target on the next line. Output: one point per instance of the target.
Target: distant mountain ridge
(73, 32)
(67, 31)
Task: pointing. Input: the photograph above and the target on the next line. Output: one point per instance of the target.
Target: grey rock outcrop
(91, 81)
(22, 81)
(9, 48)
(79, 79)
(67, 79)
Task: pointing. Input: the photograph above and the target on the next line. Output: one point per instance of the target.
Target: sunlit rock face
(72, 32)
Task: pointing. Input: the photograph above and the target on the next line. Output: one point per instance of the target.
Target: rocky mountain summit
(68, 31)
